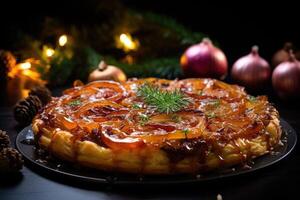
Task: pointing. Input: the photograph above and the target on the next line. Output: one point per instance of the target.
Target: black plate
(25, 144)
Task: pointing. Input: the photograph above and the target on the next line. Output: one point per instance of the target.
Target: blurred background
(235, 25)
(142, 38)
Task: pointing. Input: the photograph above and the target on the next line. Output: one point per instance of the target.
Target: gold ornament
(107, 72)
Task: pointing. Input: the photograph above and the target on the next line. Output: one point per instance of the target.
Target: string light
(25, 68)
(25, 65)
(127, 42)
(62, 41)
(20, 68)
(49, 52)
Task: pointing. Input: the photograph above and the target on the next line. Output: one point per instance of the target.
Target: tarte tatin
(108, 126)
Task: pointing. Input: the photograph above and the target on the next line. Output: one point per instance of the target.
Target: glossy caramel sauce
(111, 115)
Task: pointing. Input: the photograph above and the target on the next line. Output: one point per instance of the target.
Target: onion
(93, 104)
(117, 87)
(204, 60)
(282, 55)
(114, 142)
(251, 71)
(286, 78)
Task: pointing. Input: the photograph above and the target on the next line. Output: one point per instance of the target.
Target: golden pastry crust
(226, 132)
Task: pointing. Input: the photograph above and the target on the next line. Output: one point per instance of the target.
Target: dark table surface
(279, 181)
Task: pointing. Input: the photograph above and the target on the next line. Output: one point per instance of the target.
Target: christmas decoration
(4, 140)
(282, 55)
(42, 93)
(204, 60)
(251, 71)
(107, 72)
(26, 109)
(10, 160)
(22, 77)
(62, 41)
(126, 42)
(286, 78)
(120, 36)
(168, 68)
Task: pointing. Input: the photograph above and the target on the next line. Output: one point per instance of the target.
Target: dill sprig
(251, 98)
(163, 101)
(176, 118)
(135, 106)
(185, 132)
(76, 102)
(215, 102)
(143, 119)
(211, 115)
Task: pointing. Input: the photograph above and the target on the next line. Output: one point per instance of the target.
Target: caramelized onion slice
(93, 88)
(66, 122)
(89, 126)
(159, 138)
(91, 105)
(120, 91)
(114, 142)
(158, 126)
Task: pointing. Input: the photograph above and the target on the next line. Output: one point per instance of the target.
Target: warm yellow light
(32, 74)
(62, 41)
(25, 65)
(27, 72)
(49, 52)
(127, 42)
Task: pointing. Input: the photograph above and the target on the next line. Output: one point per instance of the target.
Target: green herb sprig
(251, 98)
(143, 119)
(136, 106)
(185, 132)
(163, 101)
(75, 103)
(176, 118)
(215, 102)
(211, 115)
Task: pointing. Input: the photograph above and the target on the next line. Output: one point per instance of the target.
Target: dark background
(236, 26)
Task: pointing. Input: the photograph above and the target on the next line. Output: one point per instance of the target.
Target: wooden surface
(277, 181)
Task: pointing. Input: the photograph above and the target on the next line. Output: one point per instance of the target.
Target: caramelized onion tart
(111, 126)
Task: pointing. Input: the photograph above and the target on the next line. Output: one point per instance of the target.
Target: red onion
(286, 78)
(251, 71)
(282, 55)
(204, 60)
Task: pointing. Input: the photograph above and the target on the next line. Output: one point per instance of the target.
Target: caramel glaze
(109, 114)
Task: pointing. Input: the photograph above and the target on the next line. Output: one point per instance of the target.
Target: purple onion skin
(286, 79)
(251, 71)
(204, 61)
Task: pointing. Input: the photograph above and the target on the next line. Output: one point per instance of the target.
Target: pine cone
(26, 109)
(7, 62)
(10, 160)
(42, 93)
(4, 140)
